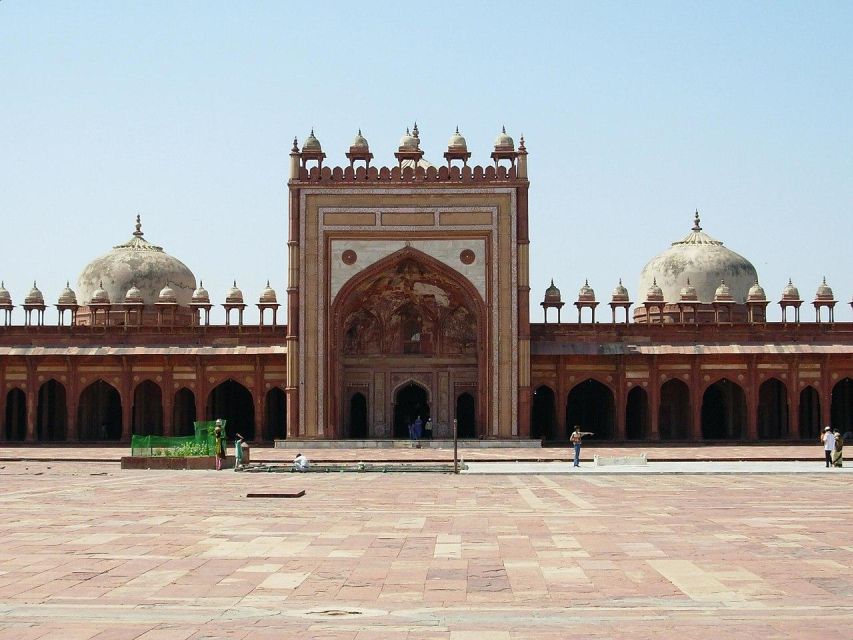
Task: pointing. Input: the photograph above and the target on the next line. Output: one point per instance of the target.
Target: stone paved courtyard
(90, 551)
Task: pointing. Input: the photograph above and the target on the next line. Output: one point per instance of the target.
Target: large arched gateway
(408, 334)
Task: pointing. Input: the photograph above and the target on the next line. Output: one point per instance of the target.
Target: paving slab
(529, 554)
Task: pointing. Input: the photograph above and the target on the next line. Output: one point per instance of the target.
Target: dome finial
(415, 129)
(552, 282)
(312, 132)
(295, 148)
(457, 129)
(138, 232)
(359, 131)
(696, 226)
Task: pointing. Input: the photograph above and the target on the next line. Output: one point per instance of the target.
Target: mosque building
(408, 295)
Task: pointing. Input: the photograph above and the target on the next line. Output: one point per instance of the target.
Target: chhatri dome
(136, 264)
(703, 262)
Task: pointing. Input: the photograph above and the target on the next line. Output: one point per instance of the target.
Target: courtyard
(91, 551)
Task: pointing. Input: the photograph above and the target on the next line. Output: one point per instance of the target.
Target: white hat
(827, 428)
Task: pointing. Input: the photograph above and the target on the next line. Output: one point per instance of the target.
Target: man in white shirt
(828, 439)
(300, 463)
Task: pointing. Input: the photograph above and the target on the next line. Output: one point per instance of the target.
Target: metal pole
(455, 449)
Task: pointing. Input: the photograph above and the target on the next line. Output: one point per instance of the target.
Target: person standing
(837, 458)
(238, 452)
(575, 439)
(828, 439)
(418, 428)
(428, 429)
(218, 444)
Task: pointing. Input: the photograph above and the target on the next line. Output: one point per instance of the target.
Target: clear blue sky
(634, 114)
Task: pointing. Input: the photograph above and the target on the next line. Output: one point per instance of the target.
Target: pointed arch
(810, 422)
(52, 412)
(723, 411)
(411, 400)
(16, 415)
(590, 404)
(543, 414)
(183, 412)
(233, 402)
(146, 416)
(99, 415)
(466, 416)
(637, 414)
(675, 416)
(841, 411)
(772, 415)
(275, 414)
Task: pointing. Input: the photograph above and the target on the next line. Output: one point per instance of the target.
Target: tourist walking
(575, 439)
(828, 439)
(837, 458)
(218, 445)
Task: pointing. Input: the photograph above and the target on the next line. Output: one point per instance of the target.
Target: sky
(634, 115)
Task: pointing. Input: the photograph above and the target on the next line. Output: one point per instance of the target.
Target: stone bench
(609, 461)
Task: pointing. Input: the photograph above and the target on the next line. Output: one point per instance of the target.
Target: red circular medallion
(349, 256)
(467, 256)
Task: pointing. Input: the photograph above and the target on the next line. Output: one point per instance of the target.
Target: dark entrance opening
(99, 412)
(842, 406)
(276, 414)
(723, 411)
(466, 425)
(16, 415)
(772, 410)
(674, 418)
(590, 405)
(543, 414)
(809, 413)
(52, 413)
(358, 416)
(637, 414)
(232, 401)
(183, 413)
(147, 413)
(410, 402)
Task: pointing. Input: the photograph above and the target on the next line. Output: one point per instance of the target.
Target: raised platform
(407, 444)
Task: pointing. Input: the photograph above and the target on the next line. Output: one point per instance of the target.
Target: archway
(16, 415)
(675, 420)
(99, 412)
(405, 312)
(723, 411)
(183, 413)
(543, 414)
(147, 413)
(358, 416)
(466, 418)
(233, 402)
(809, 413)
(276, 414)
(52, 412)
(772, 410)
(590, 404)
(842, 405)
(410, 401)
(637, 414)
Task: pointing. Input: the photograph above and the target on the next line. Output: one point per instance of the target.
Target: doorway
(410, 402)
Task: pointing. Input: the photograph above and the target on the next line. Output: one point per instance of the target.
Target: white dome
(311, 143)
(234, 295)
(140, 263)
(409, 142)
(34, 296)
(359, 142)
(200, 295)
(503, 141)
(705, 262)
(5, 297)
(457, 142)
(67, 296)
